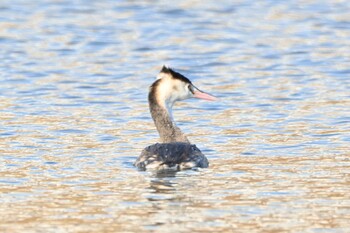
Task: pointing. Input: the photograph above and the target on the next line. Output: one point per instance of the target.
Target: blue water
(74, 115)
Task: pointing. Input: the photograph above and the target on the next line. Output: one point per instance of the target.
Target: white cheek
(170, 95)
(183, 94)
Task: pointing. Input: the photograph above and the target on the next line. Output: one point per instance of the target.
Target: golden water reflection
(275, 194)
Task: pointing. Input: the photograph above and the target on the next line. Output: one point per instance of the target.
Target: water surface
(74, 116)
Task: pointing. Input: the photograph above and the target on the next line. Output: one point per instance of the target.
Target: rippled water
(74, 115)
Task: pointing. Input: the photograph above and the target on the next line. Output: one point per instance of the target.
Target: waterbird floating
(175, 151)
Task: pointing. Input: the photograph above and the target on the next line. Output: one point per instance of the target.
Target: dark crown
(174, 74)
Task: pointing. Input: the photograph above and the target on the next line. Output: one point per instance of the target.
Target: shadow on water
(161, 185)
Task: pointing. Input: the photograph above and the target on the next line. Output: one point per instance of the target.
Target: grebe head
(172, 86)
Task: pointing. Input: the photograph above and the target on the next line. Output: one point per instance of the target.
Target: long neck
(166, 127)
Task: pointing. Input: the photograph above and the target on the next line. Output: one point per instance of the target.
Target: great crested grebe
(175, 151)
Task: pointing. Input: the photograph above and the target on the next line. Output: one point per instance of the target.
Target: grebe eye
(190, 88)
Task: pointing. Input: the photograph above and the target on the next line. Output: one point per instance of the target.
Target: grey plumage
(166, 128)
(176, 155)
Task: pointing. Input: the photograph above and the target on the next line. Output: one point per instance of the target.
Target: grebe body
(175, 151)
